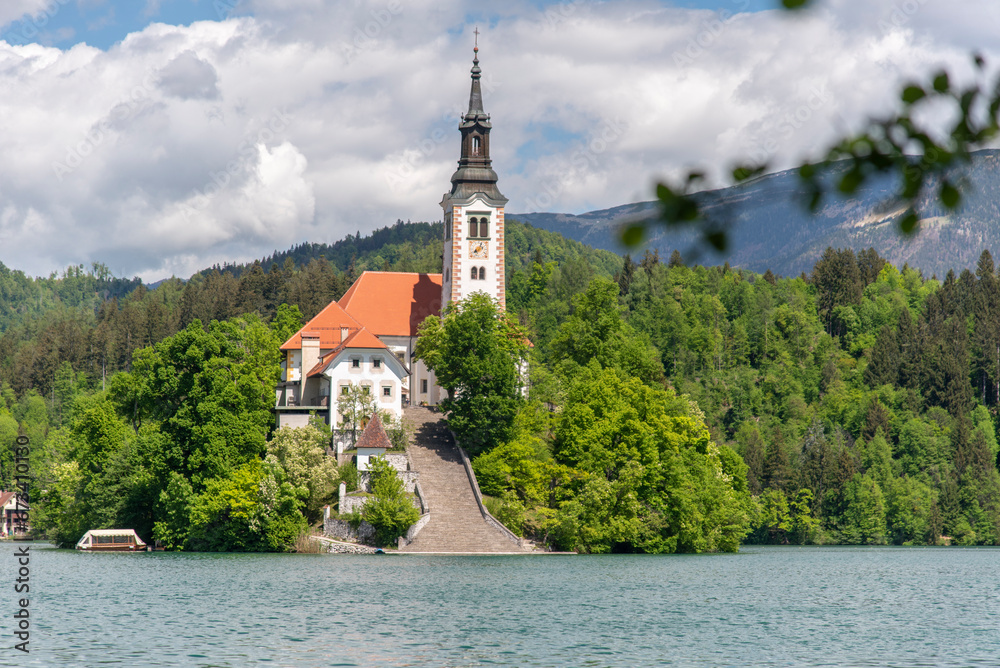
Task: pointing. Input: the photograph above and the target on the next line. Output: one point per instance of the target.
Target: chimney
(343, 334)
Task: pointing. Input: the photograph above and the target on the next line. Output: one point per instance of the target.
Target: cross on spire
(477, 37)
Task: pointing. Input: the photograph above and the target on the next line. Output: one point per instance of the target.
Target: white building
(368, 336)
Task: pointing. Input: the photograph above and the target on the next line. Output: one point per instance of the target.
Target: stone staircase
(456, 524)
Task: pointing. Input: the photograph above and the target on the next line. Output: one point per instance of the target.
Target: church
(367, 338)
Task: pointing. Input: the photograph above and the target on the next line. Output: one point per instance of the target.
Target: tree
(253, 509)
(356, 405)
(301, 453)
(211, 393)
(883, 363)
(389, 509)
(476, 352)
(864, 519)
(597, 332)
(654, 481)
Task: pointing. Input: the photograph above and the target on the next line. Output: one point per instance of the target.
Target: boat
(111, 540)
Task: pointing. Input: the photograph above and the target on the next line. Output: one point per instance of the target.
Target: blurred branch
(898, 145)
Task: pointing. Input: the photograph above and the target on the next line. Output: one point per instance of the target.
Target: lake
(766, 606)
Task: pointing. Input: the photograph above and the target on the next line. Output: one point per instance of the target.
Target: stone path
(456, 525)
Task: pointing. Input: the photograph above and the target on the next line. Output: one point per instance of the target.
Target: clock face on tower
(479, 249)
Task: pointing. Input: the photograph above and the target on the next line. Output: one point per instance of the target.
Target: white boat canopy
(109, 537)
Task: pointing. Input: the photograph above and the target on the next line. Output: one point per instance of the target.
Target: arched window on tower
(482, 273)
(473, 227)
(475, 273)
(484, 228)
(447, 275)
(475, 146)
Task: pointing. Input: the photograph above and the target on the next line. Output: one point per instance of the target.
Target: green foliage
(175, 501)
(508, 510)
(864, 521)
(654, 480)
(301, 454)
(389, 509)
(211, 393)
(475, 352)
(253, 509)
(348, 474)
(596, 332)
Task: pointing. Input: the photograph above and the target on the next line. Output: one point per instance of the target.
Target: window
(475, 273)
(400, 355)
(479, 228)
(377, 362)
(387, 390)
(423, 386)
(447, 275)
(482, 273)
(355, 363)
(366, 390)
(344, 389)
(475, 146)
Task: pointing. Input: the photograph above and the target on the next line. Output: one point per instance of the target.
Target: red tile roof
(374, 435)
(393, 303)
(326, 325)
(361, 338)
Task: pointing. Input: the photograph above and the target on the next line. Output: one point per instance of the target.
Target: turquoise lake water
(762, 607)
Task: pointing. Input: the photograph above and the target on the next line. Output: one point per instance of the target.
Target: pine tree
(625, 276)
(884, 360)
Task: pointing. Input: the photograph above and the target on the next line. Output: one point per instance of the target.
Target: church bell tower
(473, 211)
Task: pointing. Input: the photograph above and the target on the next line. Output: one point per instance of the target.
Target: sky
(159, 137)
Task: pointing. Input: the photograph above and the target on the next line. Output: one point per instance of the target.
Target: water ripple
(813, 607)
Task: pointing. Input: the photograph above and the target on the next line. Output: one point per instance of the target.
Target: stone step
(456, 523)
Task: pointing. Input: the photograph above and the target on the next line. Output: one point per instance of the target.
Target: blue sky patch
(103, 23)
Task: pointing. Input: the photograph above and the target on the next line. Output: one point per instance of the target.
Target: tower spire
(473, 251)
(475, 172)
(476, 96)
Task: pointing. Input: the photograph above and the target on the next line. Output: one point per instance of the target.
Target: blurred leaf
(913, 93)
(815, 200)
(909, 222)
(795, 4)
(850, 181)
(718, 240)
(941, 83)
(633, 234)
(744, 172)
(950, 196)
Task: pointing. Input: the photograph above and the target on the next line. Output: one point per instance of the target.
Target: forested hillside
(858, 402)
(95, 322)
(862, 398)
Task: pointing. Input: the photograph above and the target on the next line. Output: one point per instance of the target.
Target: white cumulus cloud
(224, 140)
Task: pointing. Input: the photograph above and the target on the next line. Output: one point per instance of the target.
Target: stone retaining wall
(338, 547)
(409, 479)
(342, 530)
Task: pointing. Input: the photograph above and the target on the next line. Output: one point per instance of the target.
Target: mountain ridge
(770, 228)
